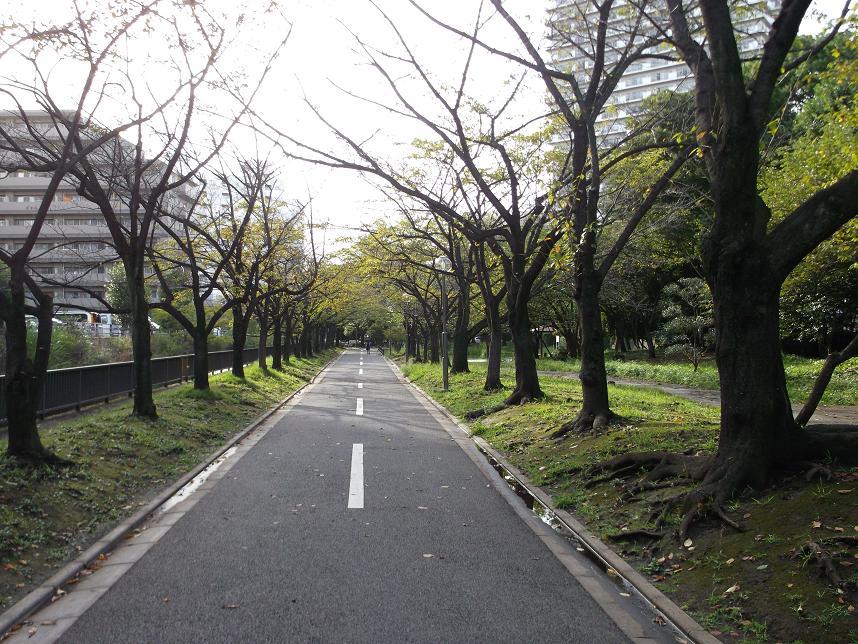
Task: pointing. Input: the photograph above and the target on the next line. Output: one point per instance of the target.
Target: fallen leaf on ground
(732, 589)
(426, 555)
(730, 561)
(816, 524)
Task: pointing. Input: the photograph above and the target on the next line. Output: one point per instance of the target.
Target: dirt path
(829, 415)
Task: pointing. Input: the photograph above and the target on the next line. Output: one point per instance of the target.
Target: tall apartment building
(73, 255)
(572, 23)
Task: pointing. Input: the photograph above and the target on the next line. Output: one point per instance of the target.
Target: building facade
(74, 254)
(571, 25)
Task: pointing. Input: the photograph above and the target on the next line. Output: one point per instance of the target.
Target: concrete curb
(681, 620)
(42, 595)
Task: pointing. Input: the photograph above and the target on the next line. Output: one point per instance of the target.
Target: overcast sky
(322, 58)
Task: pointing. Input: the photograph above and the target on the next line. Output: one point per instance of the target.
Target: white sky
(322, 53)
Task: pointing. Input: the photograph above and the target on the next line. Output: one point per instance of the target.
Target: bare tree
(43, 142)
(608, 39)
(131, 187)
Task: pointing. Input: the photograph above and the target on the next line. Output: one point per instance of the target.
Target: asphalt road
(274, 553)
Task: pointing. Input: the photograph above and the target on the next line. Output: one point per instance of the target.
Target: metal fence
(71, 388)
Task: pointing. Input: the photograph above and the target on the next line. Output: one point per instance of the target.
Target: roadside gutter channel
(609, 562)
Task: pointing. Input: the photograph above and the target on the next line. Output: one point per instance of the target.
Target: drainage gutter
(617, 568)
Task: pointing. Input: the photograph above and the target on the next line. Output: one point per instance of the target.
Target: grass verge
(751, 586)
(48, 515)
(800, 374)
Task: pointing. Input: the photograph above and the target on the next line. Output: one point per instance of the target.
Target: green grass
(800, 373)
(47, 515)
(782, 597)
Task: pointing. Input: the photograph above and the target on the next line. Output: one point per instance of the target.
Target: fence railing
(71, 388)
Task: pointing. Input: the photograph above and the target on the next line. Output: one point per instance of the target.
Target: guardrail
(71, 388)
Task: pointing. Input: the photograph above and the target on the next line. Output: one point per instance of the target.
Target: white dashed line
(356, 483)
(360, 372)
(359, 408)
(360, 385)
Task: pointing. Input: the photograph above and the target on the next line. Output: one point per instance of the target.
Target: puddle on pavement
(197, 481)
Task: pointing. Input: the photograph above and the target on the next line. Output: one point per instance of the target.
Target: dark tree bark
(25, 376)
(831, 363)
(526, 378)
(262, 357)
(277, 344)
(462, 332)
(745, 263)
(239, 339)
(201, 360)
(493, 355)
(650, 345)
(287, 338)
(141, 342)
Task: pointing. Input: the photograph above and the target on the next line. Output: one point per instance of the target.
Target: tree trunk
(461, 335)
(526, 378)
(757, 426)
(831, 363)
(141, 342)
(201, 360)
(25, 377)
(287, 339)
(570, 337)
(595, 410)
(277, 344)
(650, 345)
(239, 339)
(493, 355)
(262, 356)
(435, 346)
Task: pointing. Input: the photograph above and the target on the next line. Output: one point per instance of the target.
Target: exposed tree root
(515, 398)
(658, 465)
(636, 535)
(586, 422)
(485, 411)
(720, 478)
(815, 552)
(40, 457)
(815, 470)
(520, 398)
(701, 503)
(666, 469)
(640, 487)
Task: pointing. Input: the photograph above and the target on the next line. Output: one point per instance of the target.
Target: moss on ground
(751, 586)
(48, 515)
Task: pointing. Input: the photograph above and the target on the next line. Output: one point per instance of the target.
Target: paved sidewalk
(355, 515)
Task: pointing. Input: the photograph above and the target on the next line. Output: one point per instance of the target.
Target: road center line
(360, 385)
(359, 409)
(356, 482)
(360, 372)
